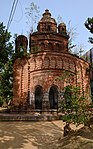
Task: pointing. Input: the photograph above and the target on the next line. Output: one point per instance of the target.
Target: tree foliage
(5, 46)
(75, 106)
(6, 69)
(89, 26)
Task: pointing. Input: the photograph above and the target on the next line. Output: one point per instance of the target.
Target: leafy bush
(76, 107)
(1, 101)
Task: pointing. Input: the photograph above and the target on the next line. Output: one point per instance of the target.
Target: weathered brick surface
(49, 59)
(46, 74)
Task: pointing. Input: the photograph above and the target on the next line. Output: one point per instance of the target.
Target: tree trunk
(67, 129)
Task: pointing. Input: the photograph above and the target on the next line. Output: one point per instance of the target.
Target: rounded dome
(62, 24)
(47, 17)
(21, 42)
(62, 27)
(47, 23)
(21, 38)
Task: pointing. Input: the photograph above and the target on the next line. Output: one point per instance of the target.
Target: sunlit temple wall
(40, 78)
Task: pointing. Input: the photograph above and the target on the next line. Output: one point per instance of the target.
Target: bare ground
(43, 135)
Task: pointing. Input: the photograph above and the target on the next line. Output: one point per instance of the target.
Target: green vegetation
(89, 26)
(75, 107)
(6, 69)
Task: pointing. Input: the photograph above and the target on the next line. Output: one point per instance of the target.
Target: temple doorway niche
(38, 97)
(53, 97)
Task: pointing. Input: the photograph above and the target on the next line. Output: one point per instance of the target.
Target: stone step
(27, 117)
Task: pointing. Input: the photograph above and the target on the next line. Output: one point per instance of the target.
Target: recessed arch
(21, 47)
(57, 47)
(50, 46)
(49, 28)
(42, 45)
(53, 97)
(53, 62)
(38, 97)
(46, 63)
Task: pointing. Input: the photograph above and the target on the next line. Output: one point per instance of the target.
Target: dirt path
(42, 135)
(29, 135)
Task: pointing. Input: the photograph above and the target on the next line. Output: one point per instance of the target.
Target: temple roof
(47, 17)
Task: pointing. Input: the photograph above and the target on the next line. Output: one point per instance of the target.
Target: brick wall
(44, 70)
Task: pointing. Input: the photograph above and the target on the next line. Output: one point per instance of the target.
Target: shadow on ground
(29, 135)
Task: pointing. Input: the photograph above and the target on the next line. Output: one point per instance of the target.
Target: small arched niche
(50, 46)
(42, 46)
(49, 28)
(57, 47)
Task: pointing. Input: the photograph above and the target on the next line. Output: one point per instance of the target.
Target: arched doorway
(53, 97)
(38, 97)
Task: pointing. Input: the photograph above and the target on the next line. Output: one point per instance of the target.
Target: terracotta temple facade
(41, 75)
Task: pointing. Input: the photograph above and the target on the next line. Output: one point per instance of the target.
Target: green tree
(5, 46)
(76, 108)
(89, 25)
(6, 69)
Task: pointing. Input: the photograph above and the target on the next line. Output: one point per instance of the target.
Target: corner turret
(21, 44)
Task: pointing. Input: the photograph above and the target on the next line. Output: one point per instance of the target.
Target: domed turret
(21, 43)
(62, 28)
(47, 23)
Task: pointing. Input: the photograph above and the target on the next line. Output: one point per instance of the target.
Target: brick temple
(37, 84)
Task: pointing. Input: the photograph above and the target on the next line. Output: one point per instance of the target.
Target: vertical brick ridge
(28, 83)
(22, 82)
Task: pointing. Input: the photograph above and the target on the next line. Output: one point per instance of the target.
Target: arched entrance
(38, 97)
(53, 97)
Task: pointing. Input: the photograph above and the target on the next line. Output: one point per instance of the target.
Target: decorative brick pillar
(60, 98)
(32, 101)
(45, 102)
